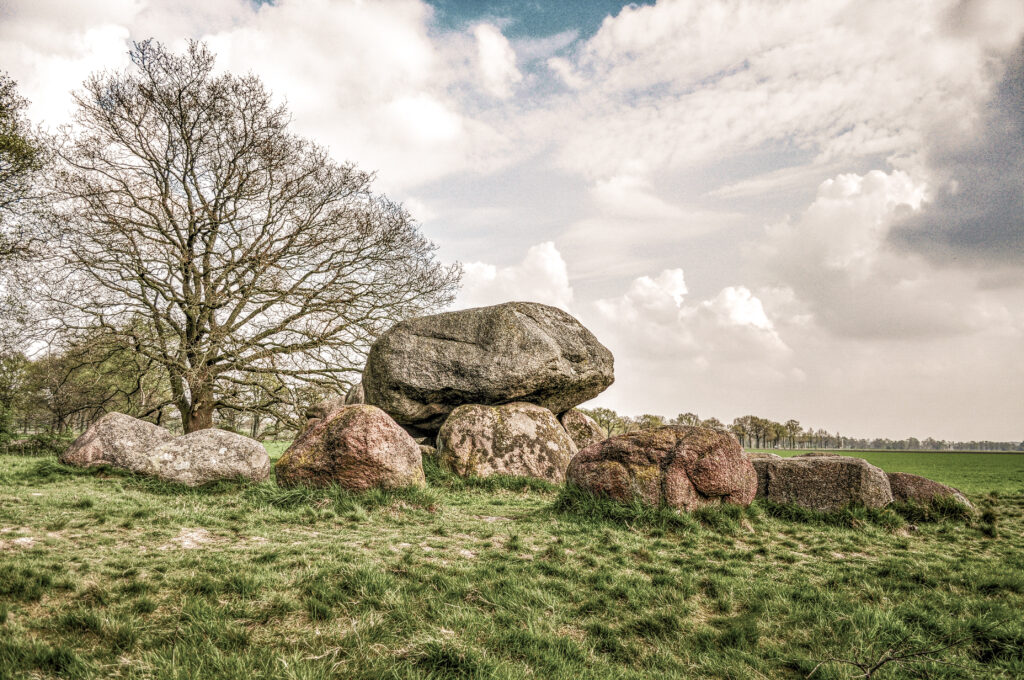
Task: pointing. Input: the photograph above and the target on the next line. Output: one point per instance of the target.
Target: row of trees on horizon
(759, 433)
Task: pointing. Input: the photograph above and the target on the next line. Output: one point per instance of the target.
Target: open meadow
(105, 575)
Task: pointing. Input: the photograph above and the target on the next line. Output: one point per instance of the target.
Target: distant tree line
(756, 432)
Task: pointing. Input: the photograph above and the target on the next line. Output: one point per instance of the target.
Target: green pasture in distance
(972, 473)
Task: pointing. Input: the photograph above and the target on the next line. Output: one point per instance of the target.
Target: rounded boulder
(115, 439)
(917, 489)
(684, 467)
(206, 456)
(421, 369)
(518, 439)
(357, 447)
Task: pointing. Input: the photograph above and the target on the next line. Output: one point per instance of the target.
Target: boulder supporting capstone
(517, 439)
(357, 447)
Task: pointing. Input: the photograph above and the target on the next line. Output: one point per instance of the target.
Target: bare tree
(248, 251)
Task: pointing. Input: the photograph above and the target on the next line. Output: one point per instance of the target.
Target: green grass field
(104, 575)
(972, 473)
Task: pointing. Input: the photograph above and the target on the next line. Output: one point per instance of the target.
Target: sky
(805, 209)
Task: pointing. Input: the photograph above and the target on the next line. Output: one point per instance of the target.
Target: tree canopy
(192, 228)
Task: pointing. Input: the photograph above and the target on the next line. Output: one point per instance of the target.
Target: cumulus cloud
(654, 321)
(679, 83)
(366, 79)
(836, 258)
(564, 70)
(667, 139)
(977, 214)
(540, 277)
(497, 61)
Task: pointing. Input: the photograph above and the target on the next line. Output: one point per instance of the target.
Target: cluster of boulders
(492, 390)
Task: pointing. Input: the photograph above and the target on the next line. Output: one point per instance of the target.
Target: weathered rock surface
(918, 489)
(426, 450)
(205, 456)
(356, 447)
(115, 439)
(320, 410)
(519, 439)
(355, 395)
(827, 482)
(684, 467)
(422, 369)
(582, 428)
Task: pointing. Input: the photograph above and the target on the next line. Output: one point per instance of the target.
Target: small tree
(650, 421)
(249, 252)
(686, 419)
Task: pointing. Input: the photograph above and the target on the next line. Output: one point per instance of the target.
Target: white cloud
(366, 79)
(653, 321)
(656, 143)
(836, 258)
(497, 61)
(680, 83)
(564, 70)
(541, 277)
(631, 195)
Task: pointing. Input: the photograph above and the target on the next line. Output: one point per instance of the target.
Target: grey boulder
(821, 482)
(519, 439)
(421, 369)
(206, 456)
(115, 439)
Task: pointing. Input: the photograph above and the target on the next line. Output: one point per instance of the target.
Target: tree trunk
(199, 415)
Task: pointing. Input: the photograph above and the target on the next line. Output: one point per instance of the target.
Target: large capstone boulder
(917, 489)
(422, 369)
(518, 439)
(822, 482)
(115, 439)
(355, 395)
(206, 456)
(583, 429)
(357, 447)
(684, 467)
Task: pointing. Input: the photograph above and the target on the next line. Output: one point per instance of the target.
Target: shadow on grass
(582, 504)
(259, 494)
